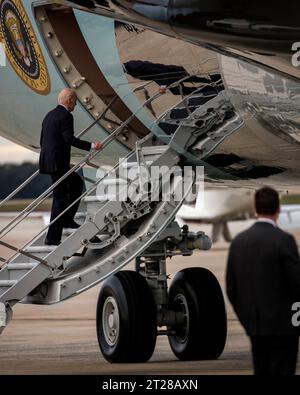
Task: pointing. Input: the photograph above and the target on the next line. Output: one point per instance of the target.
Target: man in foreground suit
(263, 282)
(57, 137)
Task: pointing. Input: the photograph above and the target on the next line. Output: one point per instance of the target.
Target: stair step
(40, 249)
(99, 198)
(7, 283)
(154, 150)
(68, 231)
(21, 266)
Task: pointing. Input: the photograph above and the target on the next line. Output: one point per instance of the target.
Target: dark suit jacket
(263, 279)
(57, 137)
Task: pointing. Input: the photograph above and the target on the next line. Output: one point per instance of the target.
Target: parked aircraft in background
(219, 207)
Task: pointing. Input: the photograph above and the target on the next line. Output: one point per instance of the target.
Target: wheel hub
(111, 321)
(182, 330)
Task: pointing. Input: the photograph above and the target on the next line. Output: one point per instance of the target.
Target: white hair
(65, 95)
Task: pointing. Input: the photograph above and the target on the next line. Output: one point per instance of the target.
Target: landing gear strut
(132, 305)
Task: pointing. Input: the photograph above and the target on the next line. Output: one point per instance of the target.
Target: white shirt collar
(268, 220)
(64, 107)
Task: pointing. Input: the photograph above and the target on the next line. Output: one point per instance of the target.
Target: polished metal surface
(258, 140)
(251, 30)
(267, 148)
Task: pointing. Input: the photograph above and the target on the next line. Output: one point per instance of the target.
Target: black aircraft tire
(126, 318)
(197, 293)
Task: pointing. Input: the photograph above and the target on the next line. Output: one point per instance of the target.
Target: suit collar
(62, 106)
(264, 223)
(267, 221)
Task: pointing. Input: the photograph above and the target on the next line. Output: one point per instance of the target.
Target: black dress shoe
(52, 242)
(72, 225)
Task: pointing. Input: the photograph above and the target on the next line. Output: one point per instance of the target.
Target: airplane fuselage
(49, 46)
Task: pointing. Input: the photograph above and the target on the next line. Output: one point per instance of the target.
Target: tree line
(12, 175)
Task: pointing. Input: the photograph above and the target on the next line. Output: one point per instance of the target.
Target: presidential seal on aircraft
(21, 46)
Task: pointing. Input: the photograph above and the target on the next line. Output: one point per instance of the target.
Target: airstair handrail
(36, 173)
(18, 250)
(80, 134)
(35, 203)
(91, 189)
(43, 196)
(4, 231)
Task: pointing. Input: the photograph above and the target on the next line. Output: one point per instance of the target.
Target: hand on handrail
(97, 145)
(162, 89)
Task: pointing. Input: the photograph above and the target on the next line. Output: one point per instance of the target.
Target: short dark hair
(266, 201)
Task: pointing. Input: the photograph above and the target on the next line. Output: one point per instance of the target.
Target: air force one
(230, 73)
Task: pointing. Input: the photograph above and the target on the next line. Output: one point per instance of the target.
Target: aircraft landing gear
(132, 305)
(202, 335)
(126, 318)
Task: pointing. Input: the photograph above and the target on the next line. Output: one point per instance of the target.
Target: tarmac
(61, 339)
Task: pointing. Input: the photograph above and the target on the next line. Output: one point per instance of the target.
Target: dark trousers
(63, 195)
(274, 355)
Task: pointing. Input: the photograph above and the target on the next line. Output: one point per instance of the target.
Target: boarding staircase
(201, 121)
(125, 224)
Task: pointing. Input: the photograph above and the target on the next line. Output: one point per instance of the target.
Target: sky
(14, 153)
